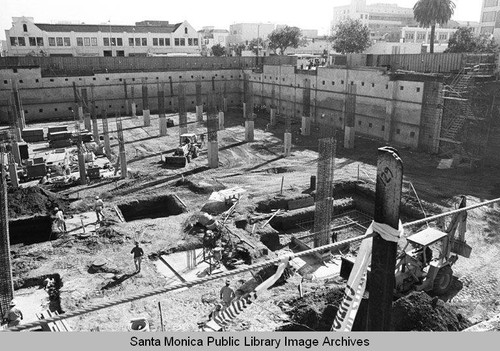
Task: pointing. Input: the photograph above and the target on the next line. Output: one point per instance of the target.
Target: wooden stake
(387, 203)
(161, 317)
(282, 181)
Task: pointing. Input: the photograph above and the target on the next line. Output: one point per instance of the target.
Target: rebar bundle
(6, 285)
(324, 189)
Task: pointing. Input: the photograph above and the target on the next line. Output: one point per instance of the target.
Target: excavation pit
(156, 207)
(30, 230)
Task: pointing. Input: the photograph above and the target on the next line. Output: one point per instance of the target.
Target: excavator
(189, 147)
(425, 262)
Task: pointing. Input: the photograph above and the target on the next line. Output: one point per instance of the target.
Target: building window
(359, 122)
(25, 27)
(383, 128)
(487, 30)
(412, 134)
(183, 42)
(489, 16)
(79, 41)
(398, 131)
(190, 41)
(59, 41)
(409, 36)
(32, 41)
(195, 41)
(113, 41)
(105, 41)
(185, 31)
(161, 42)
(131, 41)
(86, 41)
(401, 88)
(119, 41)
(144, 41)
(137, 41)
(490, 3)
(67, 41)
(370, 125)
(167, 41)
(418, 90)
(39, 41)
(13, 41)
(176, 42)
(443, 36)
(52, 41)
(421, 36)
(155, 41)
(94, 41)
(21, 41)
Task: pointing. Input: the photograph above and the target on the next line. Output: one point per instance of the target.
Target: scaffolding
(324, 189)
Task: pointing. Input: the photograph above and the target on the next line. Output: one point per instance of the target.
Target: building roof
(86, 28)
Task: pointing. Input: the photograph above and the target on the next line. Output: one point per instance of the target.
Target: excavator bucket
(177, 161)
(461, 248)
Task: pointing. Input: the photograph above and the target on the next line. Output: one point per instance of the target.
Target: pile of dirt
(34, 201)
(414, 312)
(420, 312)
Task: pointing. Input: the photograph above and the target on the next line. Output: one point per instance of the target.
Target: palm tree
(432, 12)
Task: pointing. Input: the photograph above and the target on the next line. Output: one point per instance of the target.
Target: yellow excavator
(425, 262)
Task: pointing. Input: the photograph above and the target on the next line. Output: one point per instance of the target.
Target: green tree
(428, 13)
(464, 40)
(237, 48)
(351, 36)
(283, 38)
(218, 50)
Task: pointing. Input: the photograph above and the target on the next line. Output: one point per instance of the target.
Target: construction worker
(60, 222)
(138, 253)
(98, 207)
(227, 294)
(13, 316)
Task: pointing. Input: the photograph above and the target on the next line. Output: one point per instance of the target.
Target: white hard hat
(13, 303)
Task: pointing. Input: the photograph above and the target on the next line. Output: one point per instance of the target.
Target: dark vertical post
(387, 204)
(126, 97)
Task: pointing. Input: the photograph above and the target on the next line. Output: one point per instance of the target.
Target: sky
(315, 14)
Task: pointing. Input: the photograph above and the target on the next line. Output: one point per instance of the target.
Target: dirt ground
(259, 168)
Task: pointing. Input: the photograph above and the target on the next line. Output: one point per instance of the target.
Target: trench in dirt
(157, 207)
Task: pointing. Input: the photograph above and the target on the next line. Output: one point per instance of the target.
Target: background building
(243, 33)
(490, 18)
(145, 38)
(211, 36)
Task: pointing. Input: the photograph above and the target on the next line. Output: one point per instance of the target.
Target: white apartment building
(490, 18)
(26, 37)
(211, 36)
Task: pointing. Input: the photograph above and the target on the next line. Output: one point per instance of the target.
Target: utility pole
(387, 203)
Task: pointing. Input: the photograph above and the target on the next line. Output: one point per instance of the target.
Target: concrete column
(199, 113)
(81, 166)
(80, 113)
(249, 126)
(163, 125)
(123, 159)
(105, 129)
(224, 104)
(221, 120)
(213, 154)
(245, 110)
(147, 118)
(23, 119)
(13, 173)
(95, 129)
(306, 126)
(15, 152)
(134, 110)
(17, 134)
(287, 144)
(389, 112)
(272, 120)
(349, 136)
(87, 122)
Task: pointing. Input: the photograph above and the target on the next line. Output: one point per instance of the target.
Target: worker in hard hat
(13, 316)
(227, 294)
(98, 207)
